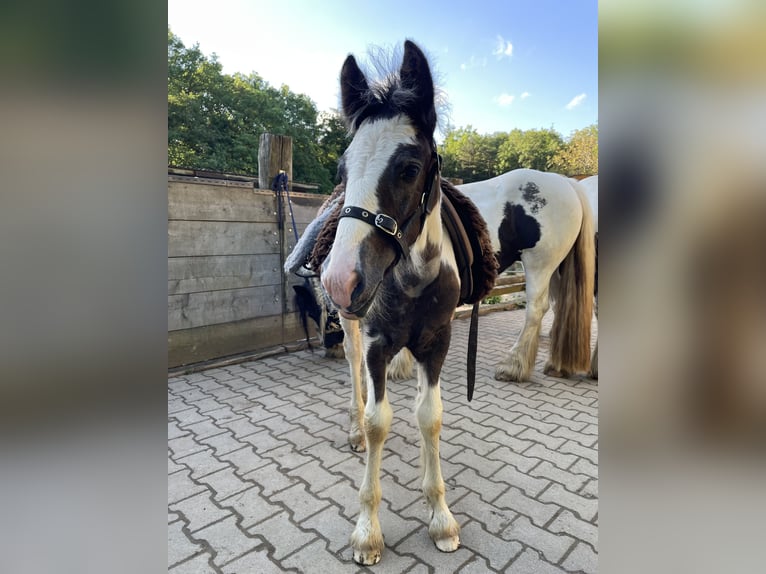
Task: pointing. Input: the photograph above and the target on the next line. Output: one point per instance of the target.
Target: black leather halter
(388, 225)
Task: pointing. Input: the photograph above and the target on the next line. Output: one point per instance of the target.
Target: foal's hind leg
(594, 358)
(443, 528)
(518, 364)
(352, 344)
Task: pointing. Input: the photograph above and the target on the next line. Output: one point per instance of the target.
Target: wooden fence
(227, 293)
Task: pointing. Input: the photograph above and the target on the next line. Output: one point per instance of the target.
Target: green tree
(532, 149)
(333, 140)
(469, 155)
(579, 156)
(215, 120)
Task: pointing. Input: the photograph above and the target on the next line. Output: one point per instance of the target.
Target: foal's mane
(387, 96)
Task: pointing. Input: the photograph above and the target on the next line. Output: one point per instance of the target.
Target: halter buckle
(386, 223)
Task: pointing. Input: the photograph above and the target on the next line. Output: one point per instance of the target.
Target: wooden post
(274, 153)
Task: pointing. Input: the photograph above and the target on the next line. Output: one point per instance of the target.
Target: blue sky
(503, 64)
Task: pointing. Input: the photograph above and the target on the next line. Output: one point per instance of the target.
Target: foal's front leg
(367, 538)
(443, 528)
(352, 345)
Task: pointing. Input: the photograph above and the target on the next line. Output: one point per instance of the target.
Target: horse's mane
(387, 96)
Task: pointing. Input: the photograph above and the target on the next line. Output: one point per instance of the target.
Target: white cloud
(576, 101)
(525, 95)
(502, 48)
(473, 62)
(505, 99)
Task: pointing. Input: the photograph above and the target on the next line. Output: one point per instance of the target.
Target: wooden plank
(215, 307)
(190, 346)
(504, 290)
(513, 279)
(213, 273)
(194, 238)
(192, 201)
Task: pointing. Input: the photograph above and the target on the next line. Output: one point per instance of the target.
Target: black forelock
(384, 100)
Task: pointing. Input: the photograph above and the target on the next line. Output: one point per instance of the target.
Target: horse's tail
(401, 366)
(570, 334)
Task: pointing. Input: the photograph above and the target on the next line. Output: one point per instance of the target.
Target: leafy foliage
(215, 122)
(579, 156)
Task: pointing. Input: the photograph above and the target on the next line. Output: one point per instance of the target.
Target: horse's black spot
(531, 194)
(518, 231)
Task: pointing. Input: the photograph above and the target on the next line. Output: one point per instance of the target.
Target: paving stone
(174, 431)
(495, 550)
(255, 561)
(552, 441)
(228, 540)
(476, 566)
(346, 496)
(283, 534)
(487, 489)
(224, 483)
(245, 460)
(223, 443)
(240, 427)
(511, 476)
(299, 501)
(552, 546)
(530, 562)
(585, 508)
(187, 416)
(180, 486)
(590, 490)
(582, 559)
(204, 429)
(591, 454)
(192, 395)
(570, 479)
(317, 477)
(561, 460)
(199, 511)
(201, 463)
(199, 564)
(251, 506)
(420, 545)
(259, 463)
(574, 426)
(179, 546)
(568, 523)
(331, 525)
(582, 466)
(184, 446)
(516, 501)
(492, 518)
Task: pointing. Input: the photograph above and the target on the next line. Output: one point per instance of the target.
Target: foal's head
(390, 168)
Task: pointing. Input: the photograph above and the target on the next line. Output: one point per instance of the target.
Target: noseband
(388, 225)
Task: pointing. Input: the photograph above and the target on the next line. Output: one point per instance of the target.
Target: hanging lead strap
(473, 332)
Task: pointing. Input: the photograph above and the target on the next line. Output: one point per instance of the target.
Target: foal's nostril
(358, 288)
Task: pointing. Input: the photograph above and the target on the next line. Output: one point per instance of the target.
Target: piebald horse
(392, 274)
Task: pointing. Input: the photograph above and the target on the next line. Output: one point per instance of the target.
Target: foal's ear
(416, 76)
(353, 85)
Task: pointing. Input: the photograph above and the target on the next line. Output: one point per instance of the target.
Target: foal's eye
(410, 172)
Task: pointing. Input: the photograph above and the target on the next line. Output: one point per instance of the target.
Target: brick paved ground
(260, 478)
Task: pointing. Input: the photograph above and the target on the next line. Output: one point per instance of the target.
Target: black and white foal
(392, 273)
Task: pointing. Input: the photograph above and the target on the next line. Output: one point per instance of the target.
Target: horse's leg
(594, 358)
(443, 528)
(518, 364)
(367, 538)
(352, 345)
